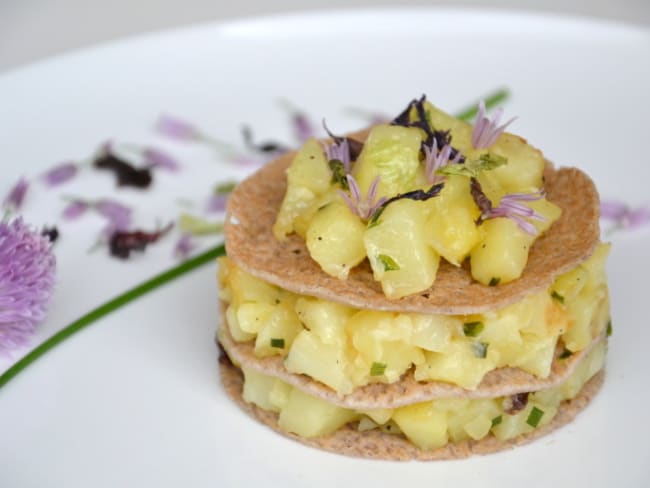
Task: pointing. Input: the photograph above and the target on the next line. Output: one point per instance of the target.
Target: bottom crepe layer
(378, 444)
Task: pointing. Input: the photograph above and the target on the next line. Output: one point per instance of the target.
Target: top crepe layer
(250, 243)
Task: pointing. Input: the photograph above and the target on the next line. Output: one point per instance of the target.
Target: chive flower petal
(59, 174)
(16, 196)
(362, 207)
(486, 131)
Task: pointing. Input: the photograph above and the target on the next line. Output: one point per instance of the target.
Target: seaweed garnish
(355, 147)
(268, 147)
(125, 173)
(418, 195)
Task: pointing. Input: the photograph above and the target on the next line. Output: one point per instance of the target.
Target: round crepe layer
(406, 391)
(250, 243)
(374, 444)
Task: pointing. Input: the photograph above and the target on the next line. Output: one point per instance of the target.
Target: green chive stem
(110, 306)
(491, 100)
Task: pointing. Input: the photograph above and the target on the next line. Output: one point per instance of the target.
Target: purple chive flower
(435, 159)
(512, 207)
(362, 207)
(184, 246)
(14, 200)
(303, 128)
(60, 173)
(155, 158)
(75, 209)
(486, 131)
(624, 216)
(178, 129)
(27, 275)
(339, 152)
(118, 215)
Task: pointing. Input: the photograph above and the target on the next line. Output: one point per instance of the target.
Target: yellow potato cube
(279, 394)
(525, 166)
(335, 239)
(398, 254)
(236, 331)
(502, 254)
(326, 319)
(278, 333)
(425, 426)
(251, 317)
(309, 416)
(247, 288)
(433, 332)
(257, 388)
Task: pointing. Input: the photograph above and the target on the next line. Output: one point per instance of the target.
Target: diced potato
(335, 239)
(568, 285)
(301, 222)
(479, 426)
(470, 419)
(461, 131)
(425, 426)
(517, 424)
(257, 389)
(382, 340)
(502, 255)
(523, 172)
(392, 153)
(326, 319)
(233, 326)
(278, 332)
(595, 266)
(546, 209)
(535, 355)
(327, 363)
(251, 317)
(279, 394)
(433, 332)
(450, 228)
(309, 416)
(247, 288)
(308, 177)
(583, 309)
(461, 364)
(379, 415)
(398, 254)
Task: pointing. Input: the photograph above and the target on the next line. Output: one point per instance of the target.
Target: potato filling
(428, 425)
(344, 348)
(335, 204)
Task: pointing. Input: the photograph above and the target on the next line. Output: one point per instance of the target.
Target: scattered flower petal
(122, 243)
(339, 151)
(155, 158)
(75, 209)
(486, 131)
(118, 215)
(14, 200)
(362, 207)
(624, 216)
(178, 129)
(61, 173)
(27, 276)
(184, 246)
(217, 203)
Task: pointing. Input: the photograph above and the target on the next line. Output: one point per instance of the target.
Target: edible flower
(435, 159)
(362, 207)
(486, 131)
(117, 214)
(623, 216)
(61, 173)
(510, 206)
(14, 200)
(178, 129)
(303, 127)
(27, 279)
(339, 151)
(155, 158)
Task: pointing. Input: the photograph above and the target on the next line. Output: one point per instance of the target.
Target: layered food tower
(424, 289)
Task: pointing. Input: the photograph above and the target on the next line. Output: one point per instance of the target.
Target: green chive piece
(566, 354)
(497, 420)
(388, 262)
(480, 349)
(338, 173)
(472, 329)
(197, 226)
(494, 281)
(110, 306)
(277, 342)
(491, 100)
(534, 417)
(557, 297)
(225, 188)
(473, 167)
(377, 369)
(609, 328)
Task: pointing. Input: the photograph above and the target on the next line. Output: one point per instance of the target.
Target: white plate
(134, 400)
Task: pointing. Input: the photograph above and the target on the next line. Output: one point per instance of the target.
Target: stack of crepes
(423, 289)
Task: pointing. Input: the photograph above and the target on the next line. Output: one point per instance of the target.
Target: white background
(34, 29)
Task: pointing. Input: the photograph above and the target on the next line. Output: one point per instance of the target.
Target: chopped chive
(490, 101)
(377, 369)
(338, 173)
(557, 297)
(279, 343)
(480, 349)
(225, 188)
(494, 281)
(497, 420)
(388, 262)
(373, 222)
(609, 328)
(566, 354)
(534, 417)
(472, 329)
